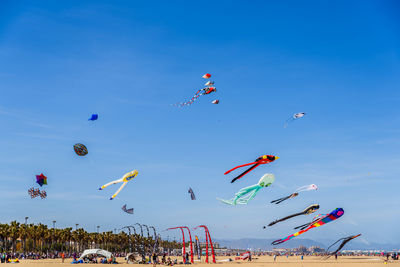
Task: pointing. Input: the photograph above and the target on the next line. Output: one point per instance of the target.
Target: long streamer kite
(344, 240)
(248, 193)
(296, 193)
(310, 209)
(336, 214)
(124, 180)
(261, 160)
(205, 91)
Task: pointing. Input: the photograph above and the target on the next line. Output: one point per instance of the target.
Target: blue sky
(129, 60)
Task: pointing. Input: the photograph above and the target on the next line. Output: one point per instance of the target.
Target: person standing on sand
(62, 257)
(275, 257)
(154, 259)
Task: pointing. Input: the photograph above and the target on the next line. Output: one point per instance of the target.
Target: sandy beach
(282, 261)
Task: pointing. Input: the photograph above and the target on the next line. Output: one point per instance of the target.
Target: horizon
(129, 62)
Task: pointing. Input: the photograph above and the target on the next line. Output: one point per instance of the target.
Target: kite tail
(188, 103)
(245, 172)
(277, 201)
(286, 218)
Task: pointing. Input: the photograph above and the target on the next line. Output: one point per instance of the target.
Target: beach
(281, 261)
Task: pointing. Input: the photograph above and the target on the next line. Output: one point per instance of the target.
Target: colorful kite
(130, 211)
(296, 193)
(41, 179)
(324, 219)
(216, 101)
(207, 76)
(204, 91)
(261, 160)
(94, 117)
(192, 196)
(35, 192)
(293, 118)
(80, 149)
(310, 209)
(344, 240)
(124, 180)
(209, 83)
(248, 193)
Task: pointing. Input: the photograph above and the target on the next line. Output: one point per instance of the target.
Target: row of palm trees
(38, 238)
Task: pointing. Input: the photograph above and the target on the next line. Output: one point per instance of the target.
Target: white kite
(293, 118)
(296, 193)
(124, 180)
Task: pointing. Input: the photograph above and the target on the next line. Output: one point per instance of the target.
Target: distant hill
(265, 244)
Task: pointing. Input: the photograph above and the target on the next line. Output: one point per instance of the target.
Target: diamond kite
(124, 180)
(248, 193)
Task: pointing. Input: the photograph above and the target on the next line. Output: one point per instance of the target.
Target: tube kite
(344, 240)
(310, 209)
(293, 118)
(336, 214)
(261, 160)
(248, 193)
(296, 193)
(124, 180)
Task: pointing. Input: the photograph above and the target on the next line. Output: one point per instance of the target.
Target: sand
(281, 261)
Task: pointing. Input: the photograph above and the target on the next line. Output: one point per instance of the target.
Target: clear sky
(128, 61)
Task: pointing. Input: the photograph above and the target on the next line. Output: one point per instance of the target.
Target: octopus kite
(323, 219)
(248, 193)
(261, 160)
(306, 211)
(124, 180)
(344, 240)
(296, 193)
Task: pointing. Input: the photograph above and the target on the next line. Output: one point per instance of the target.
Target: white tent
(100, 252)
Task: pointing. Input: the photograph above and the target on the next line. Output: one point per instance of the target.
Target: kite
(130, 211)
(261, 160)
(216, 101)
(296, 193)
(41, 179)
(293, 118)
(80, 149)
(94, 117)
(192, 196)
(205, 91)
(207, 76)
(310, 209)
(344, 240)
(324, 219)
(35, 192)
(124, 180)
(209, 83)
(248, 193)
